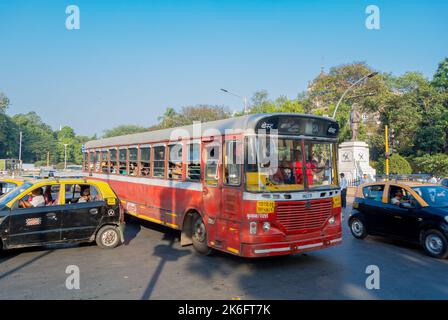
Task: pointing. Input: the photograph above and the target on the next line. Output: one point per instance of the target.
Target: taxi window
(79, 193)
(374, 193)
(40, 197)
(6, 187)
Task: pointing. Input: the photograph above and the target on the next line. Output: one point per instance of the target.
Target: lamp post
(370, 75)
(20, 151)
(65, 156)
(238, 96)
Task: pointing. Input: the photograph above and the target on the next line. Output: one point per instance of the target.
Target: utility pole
(20, 151)
(386, 136)
(65, 155)
(48, 158)
(238, 96)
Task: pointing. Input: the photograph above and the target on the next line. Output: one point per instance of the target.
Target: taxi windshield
(283, 164)
(14, 193)
(433, 195)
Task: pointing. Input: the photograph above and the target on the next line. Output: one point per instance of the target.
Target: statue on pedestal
(355, 119)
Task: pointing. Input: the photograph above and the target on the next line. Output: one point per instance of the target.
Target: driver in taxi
(38, 199)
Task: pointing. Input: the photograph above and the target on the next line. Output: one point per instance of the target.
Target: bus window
(104, 161)
(319, 160)
(159, 162)
(232, 163)
(113, 161)
(175, 162)
(194, 162)
(91, 161)
(97, 161)
(145, 157)
(211, 165)
(133, 164)
(122, 161)
(86, 161)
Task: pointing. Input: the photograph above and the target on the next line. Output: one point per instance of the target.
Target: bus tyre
(435, 244)
(199, 236)
(108, 237)
(357, 228)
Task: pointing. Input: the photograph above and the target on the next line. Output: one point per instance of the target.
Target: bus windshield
(286, 164)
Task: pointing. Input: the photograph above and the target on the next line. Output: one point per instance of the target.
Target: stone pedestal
(354, 160)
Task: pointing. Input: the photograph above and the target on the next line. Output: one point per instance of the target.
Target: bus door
(232, 204)
(211, 189)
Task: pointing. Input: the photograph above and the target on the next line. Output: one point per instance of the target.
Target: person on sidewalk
(343, 185)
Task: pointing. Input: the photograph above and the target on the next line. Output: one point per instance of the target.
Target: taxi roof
(400, 183)
(13, 180)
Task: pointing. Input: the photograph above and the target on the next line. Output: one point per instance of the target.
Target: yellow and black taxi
(408, 211)
(41, 212)
(8, 184)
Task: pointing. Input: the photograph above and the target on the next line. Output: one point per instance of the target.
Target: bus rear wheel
(199, 236)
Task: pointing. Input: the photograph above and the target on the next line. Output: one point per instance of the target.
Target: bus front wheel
(199, 237)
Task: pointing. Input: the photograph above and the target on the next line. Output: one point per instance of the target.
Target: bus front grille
(300, 216)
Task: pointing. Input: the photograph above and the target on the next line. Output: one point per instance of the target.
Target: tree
(397, 165)
(123, 130)
(4, 103)
(190, 114)
(38, 137)
(434, 164)
(440, 79)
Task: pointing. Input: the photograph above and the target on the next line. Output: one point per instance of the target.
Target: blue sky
(132, 59)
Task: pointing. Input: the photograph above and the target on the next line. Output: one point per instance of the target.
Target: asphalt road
(153, 265)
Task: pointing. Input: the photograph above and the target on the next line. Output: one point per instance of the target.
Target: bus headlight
(253, 227)
(332, 220)
(266, 226)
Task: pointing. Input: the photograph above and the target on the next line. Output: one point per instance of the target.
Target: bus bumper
(291, 247)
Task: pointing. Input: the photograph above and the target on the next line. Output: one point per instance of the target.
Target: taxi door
(35, 225)
(80, 220)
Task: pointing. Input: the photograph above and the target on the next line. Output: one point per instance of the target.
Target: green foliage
(397, 165)
(262, 104)
(436, 164)
(4, 103)
(190, 114)
(440, 79)
(123, 130)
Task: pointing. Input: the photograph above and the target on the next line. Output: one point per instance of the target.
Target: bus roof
(237, 124)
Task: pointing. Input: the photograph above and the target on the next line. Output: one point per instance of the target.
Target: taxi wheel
(435, 244)
(199, 236)
(108, 237)
(357, 228)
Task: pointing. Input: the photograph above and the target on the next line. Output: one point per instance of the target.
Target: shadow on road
(166, 253)
(23, 265)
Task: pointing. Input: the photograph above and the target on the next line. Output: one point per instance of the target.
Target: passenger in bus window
(133, 170)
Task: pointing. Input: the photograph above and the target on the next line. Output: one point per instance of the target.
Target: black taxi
(408, 211)
(52, 211)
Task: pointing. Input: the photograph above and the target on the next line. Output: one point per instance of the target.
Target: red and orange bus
(256, 185)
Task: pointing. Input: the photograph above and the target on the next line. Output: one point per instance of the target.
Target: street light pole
(65, 155)
(20, 151)
(238, 96)
(370, 75)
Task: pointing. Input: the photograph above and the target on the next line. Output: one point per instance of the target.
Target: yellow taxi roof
(399, 182)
